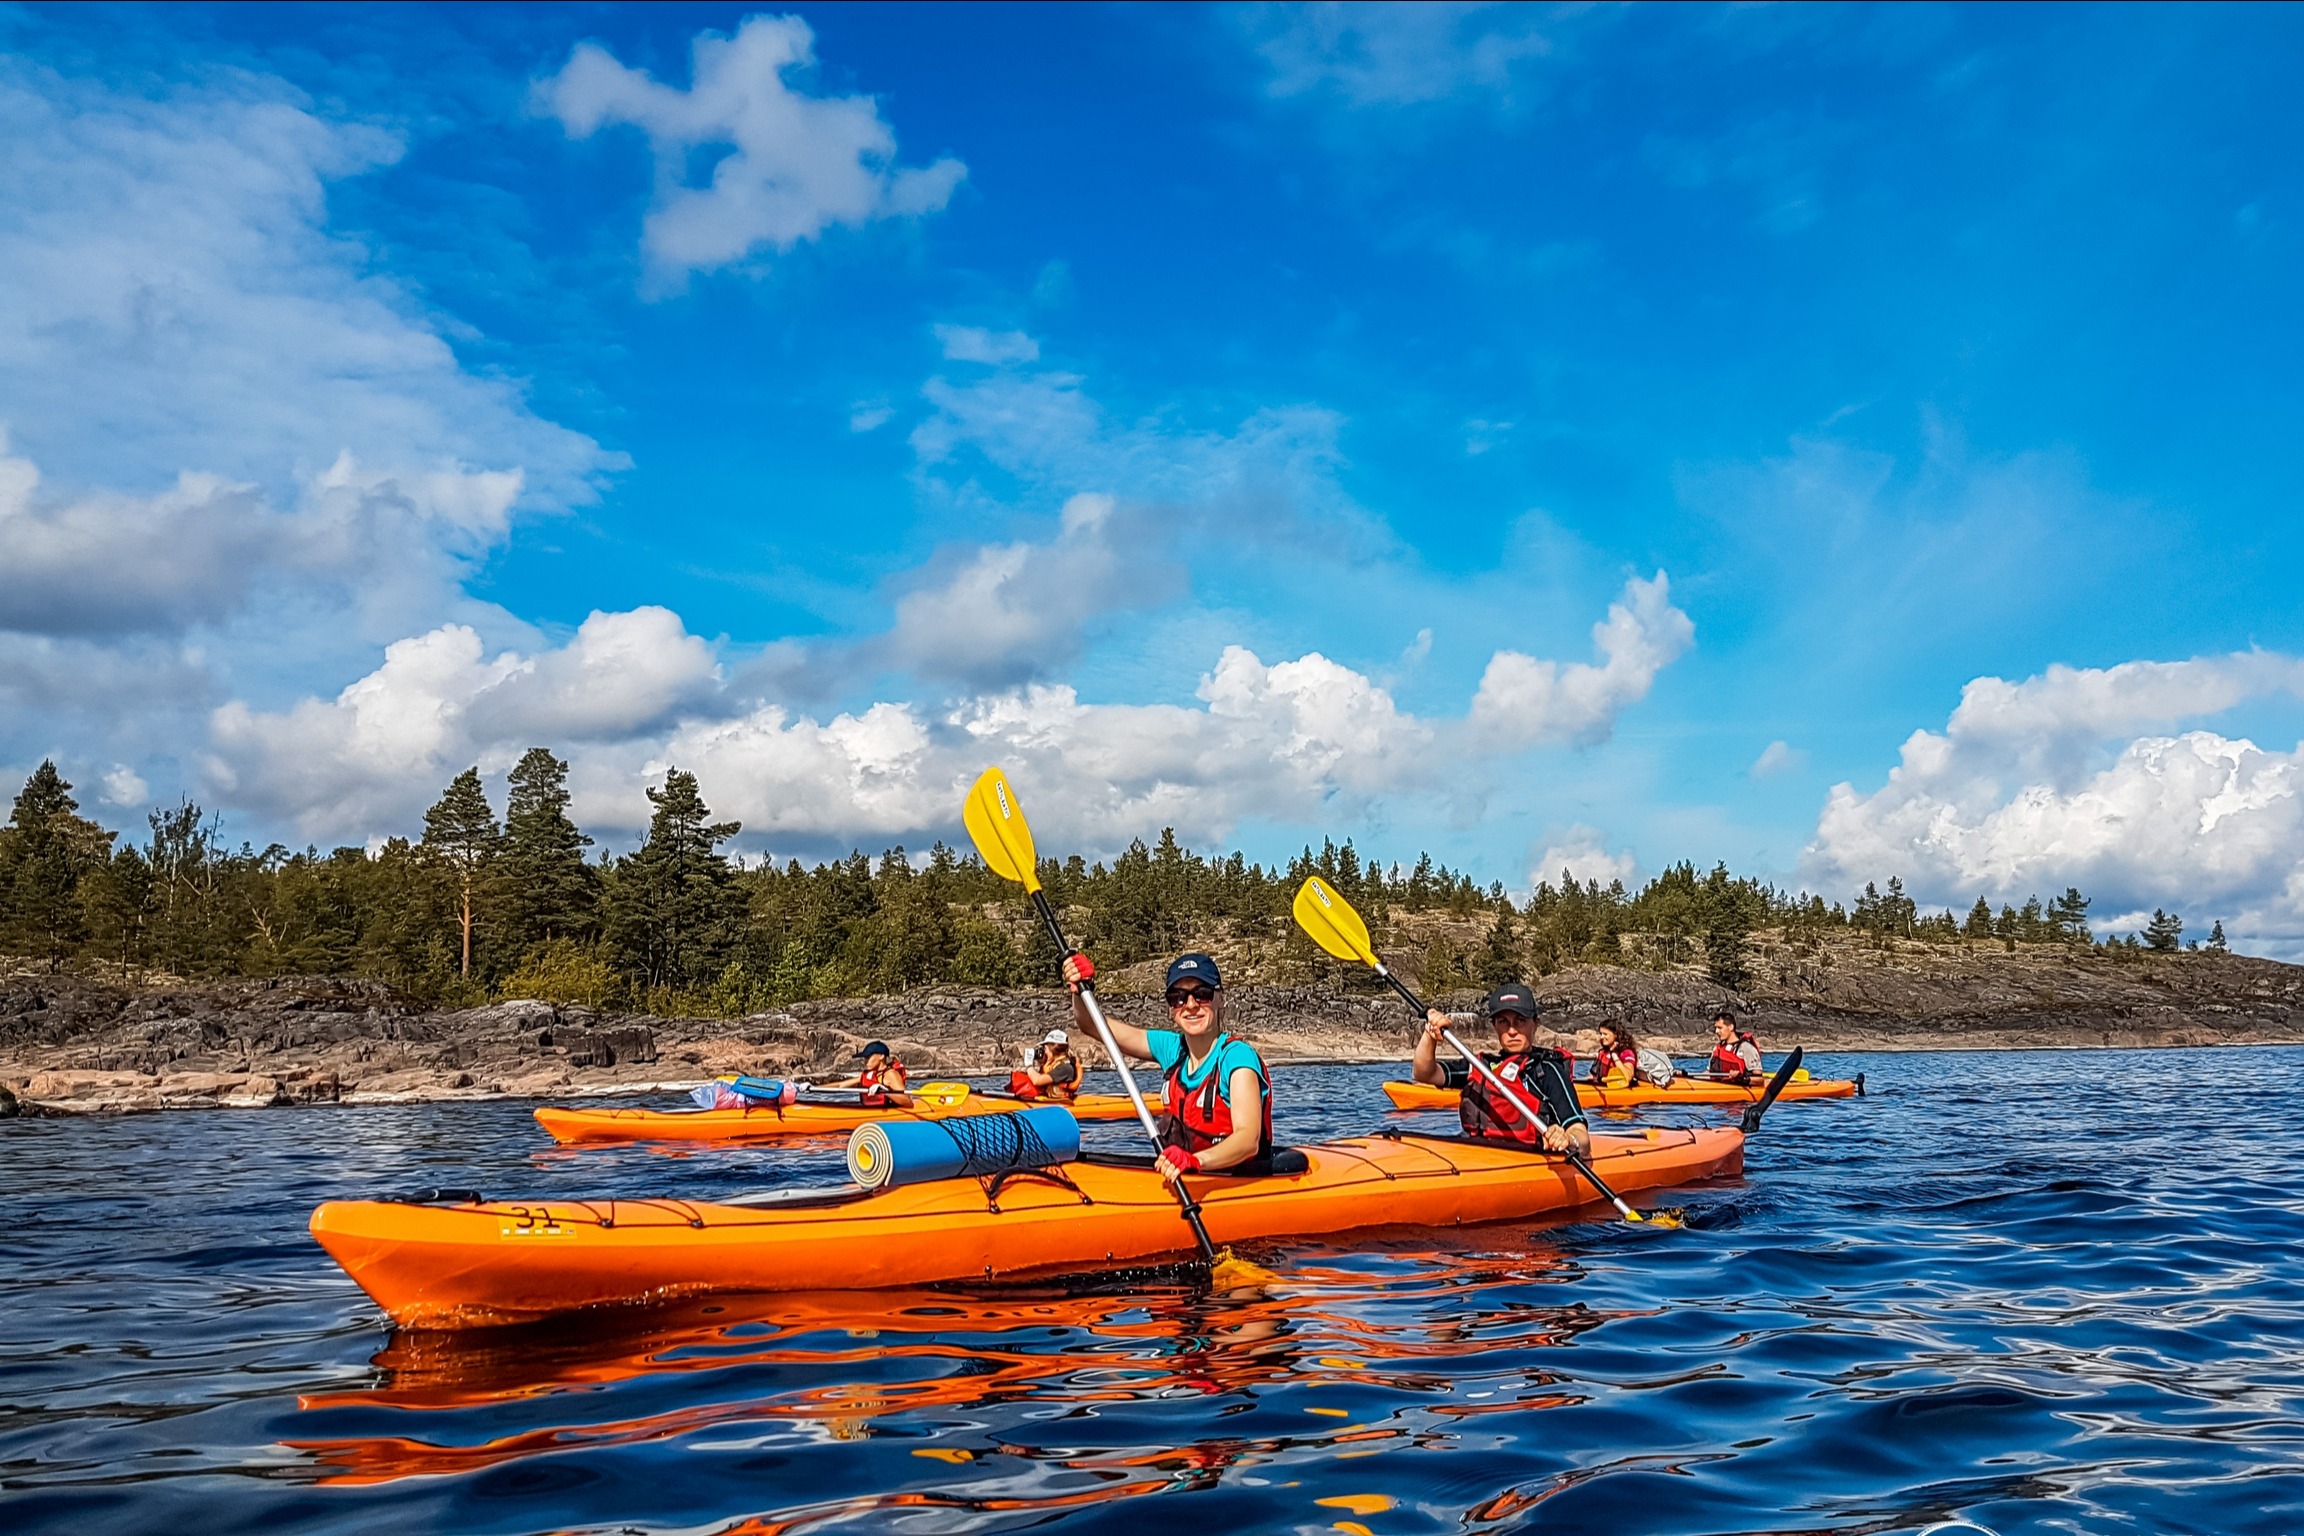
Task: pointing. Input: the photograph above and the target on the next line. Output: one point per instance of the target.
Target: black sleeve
(1550, 1078)
(1065, 1071)
(1458, 1073)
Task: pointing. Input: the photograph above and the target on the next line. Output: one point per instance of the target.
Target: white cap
(1055, 1037)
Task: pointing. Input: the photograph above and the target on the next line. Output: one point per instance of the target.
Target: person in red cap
(1536, 1076)
(882, 1079)
(1215, 1089)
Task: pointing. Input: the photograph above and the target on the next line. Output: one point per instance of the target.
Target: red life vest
(874, 1085)
(1487, 1112)
(1198, 1118)
(1725, 1060)
(1624, 1057)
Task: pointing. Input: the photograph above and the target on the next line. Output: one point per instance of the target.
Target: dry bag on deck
(1655, 1067)
(887, 1153)
(744, 1093)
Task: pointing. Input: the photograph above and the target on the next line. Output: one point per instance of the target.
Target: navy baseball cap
(1193, 967)
(876, 1048)
(1513, 998)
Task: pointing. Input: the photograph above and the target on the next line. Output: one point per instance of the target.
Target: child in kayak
(1537, 1074)
(1216, 1091)
(882, 1079)
(1617, 1065)
(1735, 1054)
(1052, 1074)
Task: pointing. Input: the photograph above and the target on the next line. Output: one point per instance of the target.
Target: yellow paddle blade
(944, 1095)
(1332, 923)
(1003, 838)
(1230, 1272)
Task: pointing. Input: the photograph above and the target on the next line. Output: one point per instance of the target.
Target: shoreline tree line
(485, 906)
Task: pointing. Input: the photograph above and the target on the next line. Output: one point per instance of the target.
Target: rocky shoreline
(71, 1044)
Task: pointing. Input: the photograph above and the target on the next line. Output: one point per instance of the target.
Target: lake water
(2026, 1293)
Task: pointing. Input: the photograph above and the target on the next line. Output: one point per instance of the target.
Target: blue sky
(1913, 346)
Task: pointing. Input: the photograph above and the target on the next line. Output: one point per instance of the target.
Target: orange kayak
(503, 1261)
(1683, 1091)
(766, 1120)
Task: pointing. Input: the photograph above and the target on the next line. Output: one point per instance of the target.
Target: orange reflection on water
(967, 1350)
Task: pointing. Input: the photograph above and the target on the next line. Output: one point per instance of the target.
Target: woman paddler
(1215, 1089)
(1735, 1054)
(1617, 1063)
(1053, 1073)
(882, 1080)
(1544, 1076)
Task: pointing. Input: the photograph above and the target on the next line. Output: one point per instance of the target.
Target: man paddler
(1215, 1090)
(1735, 1053)
(1535, 1076)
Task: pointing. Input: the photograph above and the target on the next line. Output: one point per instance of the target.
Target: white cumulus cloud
(1000, 613)
(631, 694)
(376, 753)
(1581, 853)
(796, 163)
(2043, 783)
(1524, 700)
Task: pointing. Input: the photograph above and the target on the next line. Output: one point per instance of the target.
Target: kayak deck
(502, 1261)
(761, 1122)
(1683, 1091)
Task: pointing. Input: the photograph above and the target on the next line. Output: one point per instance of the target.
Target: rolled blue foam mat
(889, 1153)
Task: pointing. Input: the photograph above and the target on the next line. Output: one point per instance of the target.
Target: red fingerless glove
(1179, 1159)
(1078, 962)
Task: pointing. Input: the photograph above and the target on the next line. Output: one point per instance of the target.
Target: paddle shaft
(1511, 1092)
(1127, 1078)
(1751, 1120)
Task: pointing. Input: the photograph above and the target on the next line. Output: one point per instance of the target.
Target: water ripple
(2027, 1307)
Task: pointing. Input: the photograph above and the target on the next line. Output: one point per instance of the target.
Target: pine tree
(2165, 932)
(2216, 943)
(673, 907)
(550, 892)
(461, 831)
(1499, 959)
(45, 852)
(1979, 925)
(2068, 916)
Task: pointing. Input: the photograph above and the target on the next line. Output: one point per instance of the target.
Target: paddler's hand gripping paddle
(995, 821)
(1333, 925)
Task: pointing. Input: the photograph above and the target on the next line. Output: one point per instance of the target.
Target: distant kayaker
(1053, 1073)
(1215, 1089)
(882, 1079)
(1543, 1077)
(1617, 1065)
(1735, 1054)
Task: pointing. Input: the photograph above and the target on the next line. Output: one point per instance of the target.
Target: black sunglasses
(1179, 996)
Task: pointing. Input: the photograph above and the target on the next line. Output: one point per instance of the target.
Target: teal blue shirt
(1167, 1047)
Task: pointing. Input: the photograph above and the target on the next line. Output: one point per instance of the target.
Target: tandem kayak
(762, 1121)
(488, 1262)
(1683, 1090)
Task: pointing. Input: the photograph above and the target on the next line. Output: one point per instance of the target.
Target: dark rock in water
(9, 1108)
